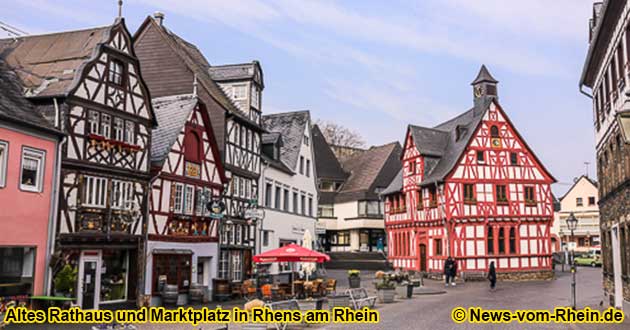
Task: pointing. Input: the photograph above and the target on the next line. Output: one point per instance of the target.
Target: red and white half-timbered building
(183, 236)
(472, 189)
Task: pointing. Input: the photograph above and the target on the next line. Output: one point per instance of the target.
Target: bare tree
(340, 136)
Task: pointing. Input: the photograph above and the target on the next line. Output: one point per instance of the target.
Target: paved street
(433, 311)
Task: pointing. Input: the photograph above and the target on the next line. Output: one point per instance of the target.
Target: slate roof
(326, 163)
(47, 64)
(171, 113)
(291, 126)
(15, 107)
(272, 137)
(371, 169)
(396, 184)
(434, 140)
(484, 76)
(229, 72)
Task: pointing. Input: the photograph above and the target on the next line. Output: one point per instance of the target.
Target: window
(114, 275)
(512, 240)
(116, 72)
(480, 157)
(469, 193)
(591, 200)
(432, 197)
(306, 141)
(199, 201)
(265, 238)
(130, 136)
(95, 191)
(106, 122)
(303, 203)
(301, 164)
(501, 240)
(494, 131)
(93, 120)
(438, 246)
(513, 158)
(490, 239)
(241, 190)
(278, 197)
(411, 168)
(286, 200)
(239, 92)
(255, 97)
(295, 202)
(32, 170)
(268, 187)
(371, 208)
(224, 260)
(119, 129)
(178, 201)
(308, 167)
(238, 234)
(419, 200)
(310, 206)
(4, 155)
(326, 186)
(237, 266)
(325, 211)
(122, 194)
(174, 268)
(501, 194)
(530, 199)
(17, 267)
(579, 201)
(192, 147)
(189, 199)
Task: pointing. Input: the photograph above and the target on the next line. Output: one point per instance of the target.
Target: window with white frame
(241, 188)
(199, 201)
(238, 235)
(32, 171)
(130, 136)
(106, 122)
(239, 92)
(178, 201)
(237, 266)
(208, 194)
(189, 204)
(4, 155)
(224, 260)
(255, 97)
(119, 129)
(93, 121)
(95, 191)
(122, 194)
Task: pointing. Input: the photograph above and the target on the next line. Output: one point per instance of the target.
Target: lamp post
(572, 225)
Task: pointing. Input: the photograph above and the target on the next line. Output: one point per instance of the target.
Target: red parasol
(291, 253)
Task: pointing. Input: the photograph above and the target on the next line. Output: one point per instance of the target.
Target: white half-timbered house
(471, 188)
(88, 82)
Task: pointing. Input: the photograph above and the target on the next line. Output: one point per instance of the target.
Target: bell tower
(484, 87)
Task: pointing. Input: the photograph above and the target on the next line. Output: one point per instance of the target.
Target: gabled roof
(371, 169)
(193, 58)
(241, 71)
(15, 107)
(326, 163)
(575, 183)
(291, 126)
(48, 64)
(172, 112)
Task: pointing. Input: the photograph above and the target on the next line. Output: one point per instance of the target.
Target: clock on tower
(484, 86)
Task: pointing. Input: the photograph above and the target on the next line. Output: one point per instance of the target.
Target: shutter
(172, 203)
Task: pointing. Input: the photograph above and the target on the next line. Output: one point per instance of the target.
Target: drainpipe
(54, 208)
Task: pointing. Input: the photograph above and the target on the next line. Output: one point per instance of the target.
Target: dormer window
(412, 168)
(255, 97)
(116, 72)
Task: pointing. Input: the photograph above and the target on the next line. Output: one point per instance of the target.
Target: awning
(291, 253)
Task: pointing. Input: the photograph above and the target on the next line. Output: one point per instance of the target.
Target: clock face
(478, 91)
(496, 142)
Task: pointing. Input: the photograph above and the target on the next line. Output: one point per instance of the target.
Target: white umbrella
(307, 267)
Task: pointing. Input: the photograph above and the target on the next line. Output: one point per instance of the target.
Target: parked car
(588, 259)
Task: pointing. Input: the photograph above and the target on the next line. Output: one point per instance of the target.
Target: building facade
(581, 200)
(472, 189)
(606, 74)
(350, 208)
(89, 81)
(29, 169)
(182, 231)
(288, 183)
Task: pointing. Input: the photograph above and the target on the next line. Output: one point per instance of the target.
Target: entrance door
(616, 252)
(423, 257)
(89, 280)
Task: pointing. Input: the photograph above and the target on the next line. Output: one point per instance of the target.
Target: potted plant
(249, 306)
(404, 287)
(65, 281)
(385, 287)
(354, 278)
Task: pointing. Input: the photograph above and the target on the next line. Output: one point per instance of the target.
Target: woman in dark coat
(450, 270)
(492, 276)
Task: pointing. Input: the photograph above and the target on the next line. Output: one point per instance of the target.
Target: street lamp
(572, 222)
(623, 119)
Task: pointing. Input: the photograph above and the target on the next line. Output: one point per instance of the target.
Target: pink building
(28, 186)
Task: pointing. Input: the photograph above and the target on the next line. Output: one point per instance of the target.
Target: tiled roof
(172, 113)
(15, 107)
(326, 164)
(47, 64)
(291, 126)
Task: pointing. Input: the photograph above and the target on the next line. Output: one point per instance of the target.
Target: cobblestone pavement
(433, 311)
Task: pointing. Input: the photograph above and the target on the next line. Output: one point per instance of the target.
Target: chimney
(159, 17)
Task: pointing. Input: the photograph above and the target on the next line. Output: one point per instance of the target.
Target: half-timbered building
(182, 232)
(232, 97)
(88, 82)
(472, 189)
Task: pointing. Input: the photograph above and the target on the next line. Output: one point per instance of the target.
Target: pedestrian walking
(492, 276)
(450, 270)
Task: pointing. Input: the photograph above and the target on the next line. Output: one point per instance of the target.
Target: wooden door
(423, 257)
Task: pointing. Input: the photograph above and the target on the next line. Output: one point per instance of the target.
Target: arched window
(512, 240)
(490, 240)
(494, 131)
(501, 240)
(192, 147)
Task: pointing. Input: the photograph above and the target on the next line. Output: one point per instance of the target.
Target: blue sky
(376, 66)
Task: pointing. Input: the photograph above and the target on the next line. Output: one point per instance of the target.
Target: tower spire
(120, 4)
(484, 88)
